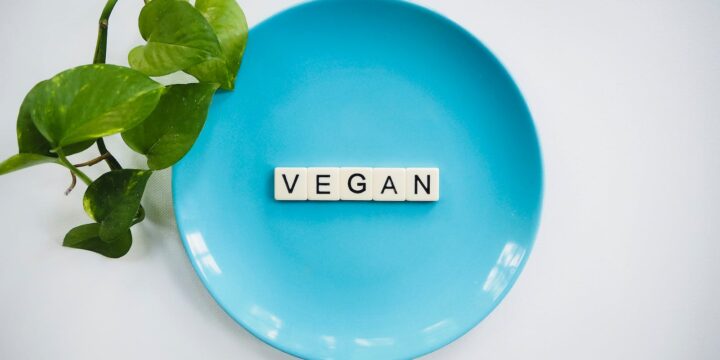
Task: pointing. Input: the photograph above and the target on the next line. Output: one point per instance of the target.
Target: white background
(626, 98)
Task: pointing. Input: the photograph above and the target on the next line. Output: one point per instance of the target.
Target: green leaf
(77, 147)
(33, 147)
(21, 161)
(228, 21)
(113, 200)
(171, 130)
(89, 102)
(214, 70)
(31, 141)
(177, 35)
(87, 237)
(151, 15)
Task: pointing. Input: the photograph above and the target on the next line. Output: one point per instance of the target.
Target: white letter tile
(389, 184)
(323, 183)
(422, 184)
(356, 184)
(291, 184)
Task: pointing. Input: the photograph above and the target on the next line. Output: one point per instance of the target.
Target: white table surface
(626, 98)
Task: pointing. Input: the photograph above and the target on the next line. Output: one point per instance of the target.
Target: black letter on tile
(362, 184)
(391, 186)
(290, 188)
(425, 187)
(318, 183)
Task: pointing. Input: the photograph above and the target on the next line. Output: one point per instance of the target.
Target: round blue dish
(362, 83)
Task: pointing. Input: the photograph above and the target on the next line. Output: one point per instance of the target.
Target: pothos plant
(76, 108)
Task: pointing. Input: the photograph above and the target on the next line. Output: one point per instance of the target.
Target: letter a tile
(389, 184)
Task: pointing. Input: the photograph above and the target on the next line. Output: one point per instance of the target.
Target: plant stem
(93, 161)
(101, 45)
(140, 216)
(109, 158)
(64, 161)
(100, 55)
(72, 184)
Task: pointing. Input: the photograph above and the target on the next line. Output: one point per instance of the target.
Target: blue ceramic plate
(362, 83)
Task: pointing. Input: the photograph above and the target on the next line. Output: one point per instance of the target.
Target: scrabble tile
(422, 184)
(291, 184)
(389, 184)
(356, 184)
(323, 183)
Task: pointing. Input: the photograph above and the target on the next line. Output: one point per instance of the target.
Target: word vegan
(357, 184)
